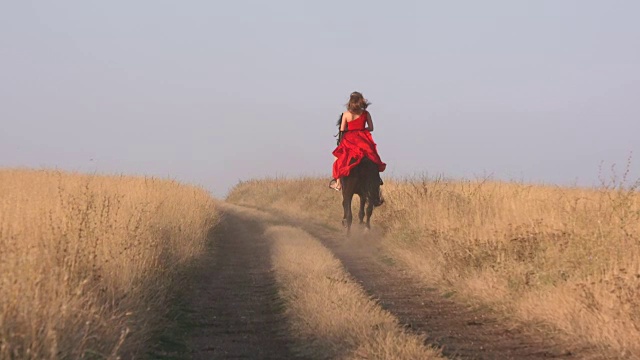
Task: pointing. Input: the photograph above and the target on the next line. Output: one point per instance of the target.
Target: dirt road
(459, 330)
(234, 309)
(237, 314)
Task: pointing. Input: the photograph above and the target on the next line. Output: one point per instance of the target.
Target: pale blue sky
(211, 92)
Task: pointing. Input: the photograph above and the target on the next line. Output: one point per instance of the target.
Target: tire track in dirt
(459, 330)
(234, 308)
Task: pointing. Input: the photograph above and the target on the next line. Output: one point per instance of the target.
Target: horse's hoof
(344, 222)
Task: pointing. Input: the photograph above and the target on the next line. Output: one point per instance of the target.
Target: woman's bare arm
(343, 125)
(369, 123)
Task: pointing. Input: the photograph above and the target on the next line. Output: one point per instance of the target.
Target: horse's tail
(373, 183)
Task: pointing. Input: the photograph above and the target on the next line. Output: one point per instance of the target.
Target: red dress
(356, 143)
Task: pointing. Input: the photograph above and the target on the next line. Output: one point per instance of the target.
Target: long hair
(357, 103)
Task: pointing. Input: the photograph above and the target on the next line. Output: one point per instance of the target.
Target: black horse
(363, 180)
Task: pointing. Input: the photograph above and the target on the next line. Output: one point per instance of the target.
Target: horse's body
(364, 180)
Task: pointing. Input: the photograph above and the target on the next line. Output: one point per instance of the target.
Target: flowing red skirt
(355, 146)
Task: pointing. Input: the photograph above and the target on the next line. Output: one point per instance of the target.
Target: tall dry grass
(89, 262)
(569, 257)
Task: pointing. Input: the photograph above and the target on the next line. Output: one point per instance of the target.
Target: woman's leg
(338, 186)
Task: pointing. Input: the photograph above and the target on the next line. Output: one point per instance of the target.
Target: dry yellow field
(567, 257)
(88, 262)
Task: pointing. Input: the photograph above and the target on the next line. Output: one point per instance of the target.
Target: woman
(356, 142)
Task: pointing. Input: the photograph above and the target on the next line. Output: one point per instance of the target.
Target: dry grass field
(89, 262)
(567, 257)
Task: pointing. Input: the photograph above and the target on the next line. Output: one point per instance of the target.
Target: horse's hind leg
(348, 216)
(361, 212)
(369, 212)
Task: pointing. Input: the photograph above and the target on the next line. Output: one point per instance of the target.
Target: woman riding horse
(356, 142)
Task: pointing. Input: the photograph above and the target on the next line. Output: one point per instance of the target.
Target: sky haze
(212, 92)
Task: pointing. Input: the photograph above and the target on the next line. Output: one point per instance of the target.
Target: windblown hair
(357, 103)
